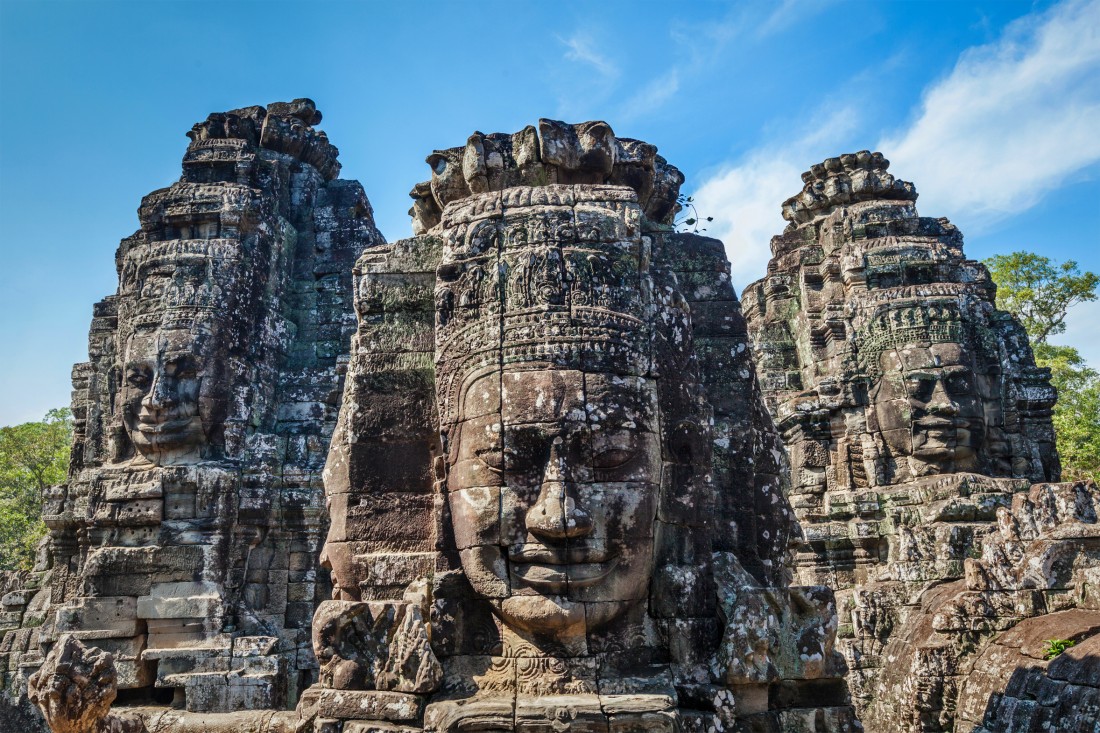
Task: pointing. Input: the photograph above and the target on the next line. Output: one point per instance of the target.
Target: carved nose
(556, 514)
(160, 394)
(941, 402)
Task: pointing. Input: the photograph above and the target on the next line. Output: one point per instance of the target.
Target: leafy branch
(690, 221)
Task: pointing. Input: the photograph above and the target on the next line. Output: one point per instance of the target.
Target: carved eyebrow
(920, 375)
(621, 422)
(952, 371)
(180, 361)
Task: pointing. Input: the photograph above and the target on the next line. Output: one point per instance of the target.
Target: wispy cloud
(1013, 120)
(699, 46)
(652, 95)
(582, 48)
(788, 13)
(745, 197)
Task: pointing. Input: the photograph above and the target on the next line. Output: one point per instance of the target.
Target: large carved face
(929, 407)
(552, 483)
(163, 400)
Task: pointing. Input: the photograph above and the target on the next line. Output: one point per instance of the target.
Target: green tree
(1077, 414)
(1040, 292)
(33, 457)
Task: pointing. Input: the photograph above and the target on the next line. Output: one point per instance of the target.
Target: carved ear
(474, 169)
(438, 163)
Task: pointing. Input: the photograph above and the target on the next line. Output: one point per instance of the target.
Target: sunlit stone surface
(518, 472)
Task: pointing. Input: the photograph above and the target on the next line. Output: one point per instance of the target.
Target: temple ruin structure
(185, 542)
(922, 455)
(532, 470)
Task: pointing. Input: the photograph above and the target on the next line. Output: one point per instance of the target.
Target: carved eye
(920, 387)
(958, 384)
(138, 378)
(492, 457)
(183, 369)
(614, 449)
(613, 458)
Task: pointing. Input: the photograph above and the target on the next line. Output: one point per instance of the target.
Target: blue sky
(991, 108)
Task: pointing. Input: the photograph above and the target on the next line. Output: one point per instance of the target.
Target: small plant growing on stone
(1054, 647)
(690, 223)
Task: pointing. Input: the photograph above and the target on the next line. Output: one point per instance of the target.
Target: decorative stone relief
(75, 687)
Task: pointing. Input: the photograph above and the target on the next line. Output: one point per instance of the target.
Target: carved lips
(553, 570)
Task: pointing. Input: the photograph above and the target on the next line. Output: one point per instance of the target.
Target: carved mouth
(556, 577)
(160, 428)
(939, 424)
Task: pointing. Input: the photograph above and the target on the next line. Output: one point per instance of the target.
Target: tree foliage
(33, 457)
(1040, 292)
(1077, 414)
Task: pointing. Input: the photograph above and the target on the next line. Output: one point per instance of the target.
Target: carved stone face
(929, 407)
(553, 484)
(162, 396)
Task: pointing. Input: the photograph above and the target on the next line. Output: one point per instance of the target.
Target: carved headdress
(542, 276)
(912, 321)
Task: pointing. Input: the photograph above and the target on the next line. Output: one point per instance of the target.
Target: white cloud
(582, 49)
(745, 198)
(788, 13)
(1013, 120)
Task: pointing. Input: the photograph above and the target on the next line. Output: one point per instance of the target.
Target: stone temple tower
(186, 538)
(919, 433)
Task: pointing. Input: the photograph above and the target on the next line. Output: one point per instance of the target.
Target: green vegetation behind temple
(33, 457)
(1040, 292)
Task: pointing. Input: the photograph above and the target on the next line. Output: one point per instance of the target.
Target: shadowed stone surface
(185, 543)
(556, 498)
(1034, 693)
(919, 434)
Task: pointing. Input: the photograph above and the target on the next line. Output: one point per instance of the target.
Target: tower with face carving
(917, 423)
(554, 491)
(185, 541)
